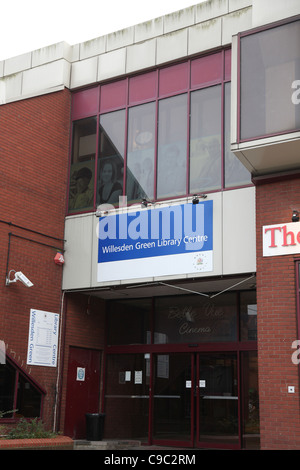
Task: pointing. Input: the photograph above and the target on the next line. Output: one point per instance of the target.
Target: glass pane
(111, 158)
(140, 153)
(172, 397)
(205, 140)
(195, 319)
(236, 174)
(172, 146)
(7, 388)
(81, 190)
(270, 62)
(251, 429)
(29, 400)
(127, 396)
(135, 315)
(218, 399)
(248, 316)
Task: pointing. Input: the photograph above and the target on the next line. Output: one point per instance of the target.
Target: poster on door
(43, 338)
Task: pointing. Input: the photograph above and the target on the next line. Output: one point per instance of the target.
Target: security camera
(19, 276)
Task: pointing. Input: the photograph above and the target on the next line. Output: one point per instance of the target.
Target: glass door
(127, 396)
(173, 402)
(217, 418)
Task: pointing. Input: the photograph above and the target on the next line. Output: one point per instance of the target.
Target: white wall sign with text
(43, 338)
(168, 240)
(281, 239)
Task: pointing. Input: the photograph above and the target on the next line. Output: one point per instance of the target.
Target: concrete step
(106, 445)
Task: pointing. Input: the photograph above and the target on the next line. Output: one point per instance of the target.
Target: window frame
(128, 98)
(20, 372)
(240, 36)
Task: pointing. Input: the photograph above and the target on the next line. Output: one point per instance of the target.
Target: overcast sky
(27, 25)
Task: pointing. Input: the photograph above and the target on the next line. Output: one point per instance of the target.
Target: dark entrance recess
(161, 390)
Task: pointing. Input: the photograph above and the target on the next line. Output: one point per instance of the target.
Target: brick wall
(34, 148)
(277, 322)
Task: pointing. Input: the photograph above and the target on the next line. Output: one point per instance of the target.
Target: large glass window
(135, 316)
(248, 316)
(160, 134)
(141, 152)
(205, 139)
(235, 173)
(172, 147)
(183, 319)
(191, 319)
(270, 63)
(18, 395)
(111, 157)
(81, 186)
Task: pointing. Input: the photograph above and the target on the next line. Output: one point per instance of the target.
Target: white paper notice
(127, 376)
(43, 338)
(138, 377)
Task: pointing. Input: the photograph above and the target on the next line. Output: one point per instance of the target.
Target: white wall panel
(239, 237)
(78, 252)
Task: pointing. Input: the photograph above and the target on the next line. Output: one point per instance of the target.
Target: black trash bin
(94, 426)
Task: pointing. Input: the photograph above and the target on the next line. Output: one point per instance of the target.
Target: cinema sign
(281, 239)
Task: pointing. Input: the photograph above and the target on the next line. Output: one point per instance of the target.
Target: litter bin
(94, 426)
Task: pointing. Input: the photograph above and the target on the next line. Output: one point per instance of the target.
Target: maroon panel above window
(173, 79)
(206, 70)
(143, 87)
(113, 96)
(85, 103)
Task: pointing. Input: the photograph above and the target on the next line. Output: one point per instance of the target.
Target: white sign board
(43, 338)
(281, 239)
(168, 240)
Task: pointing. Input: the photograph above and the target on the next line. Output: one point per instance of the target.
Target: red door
(83, 390)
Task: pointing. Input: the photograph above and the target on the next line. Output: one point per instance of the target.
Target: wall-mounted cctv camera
(19, 276)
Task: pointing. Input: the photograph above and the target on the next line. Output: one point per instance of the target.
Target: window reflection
(190, 319)
(235, 172)
(205, 140)
(248, 314)
(111, 158)
(172, 135)
(269, 65)
(17, 394)
(81, 189)
(140, 152)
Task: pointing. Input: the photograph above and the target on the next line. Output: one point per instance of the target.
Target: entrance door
(217, 416)
(195, 400)
(83, 387)
(173, 399)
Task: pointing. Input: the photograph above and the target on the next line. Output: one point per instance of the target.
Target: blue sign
(151, 234)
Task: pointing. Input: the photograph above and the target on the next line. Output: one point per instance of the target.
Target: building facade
(158, 172)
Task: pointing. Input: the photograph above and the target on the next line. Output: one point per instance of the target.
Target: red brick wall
(34, 148)
(277, 322)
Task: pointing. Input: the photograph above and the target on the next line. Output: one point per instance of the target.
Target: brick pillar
(277, 321)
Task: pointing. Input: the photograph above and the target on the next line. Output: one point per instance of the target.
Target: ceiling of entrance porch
(209, 287)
